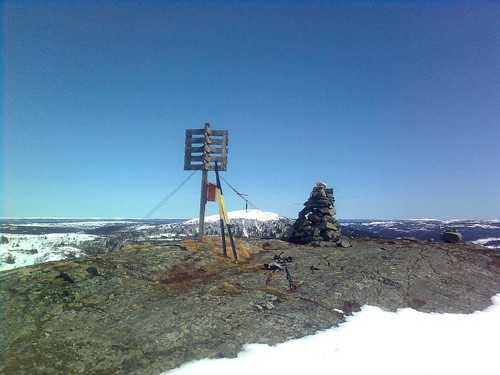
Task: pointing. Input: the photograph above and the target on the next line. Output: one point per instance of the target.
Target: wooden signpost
(204, 148)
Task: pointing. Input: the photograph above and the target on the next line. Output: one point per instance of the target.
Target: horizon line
(121, 218)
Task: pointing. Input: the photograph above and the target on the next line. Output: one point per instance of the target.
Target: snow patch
(381, 223)
(73, 224)
(485, 226)
(490, 243)
(374, 341)
(23, 250)
(482, 241)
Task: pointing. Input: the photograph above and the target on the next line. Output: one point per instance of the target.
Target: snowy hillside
(20, 250)
(244, 223)
(256, 215)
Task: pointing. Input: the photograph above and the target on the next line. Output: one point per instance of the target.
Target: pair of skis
(224, 220)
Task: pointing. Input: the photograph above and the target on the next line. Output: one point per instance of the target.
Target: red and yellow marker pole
(223, 217)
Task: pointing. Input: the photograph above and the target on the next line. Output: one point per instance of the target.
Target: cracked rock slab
(153, 308)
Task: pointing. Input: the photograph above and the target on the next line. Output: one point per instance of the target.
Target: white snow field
(27, 249)
(484, 242)
(241, 214)
(373, 341)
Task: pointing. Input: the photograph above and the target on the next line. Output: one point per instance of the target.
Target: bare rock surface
(151, 308)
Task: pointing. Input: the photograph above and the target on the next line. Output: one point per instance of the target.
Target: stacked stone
(316, 221)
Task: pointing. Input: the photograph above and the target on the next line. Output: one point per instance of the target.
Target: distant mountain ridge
(25, 241)
(427, 229)
(253, 223)
(244, 223)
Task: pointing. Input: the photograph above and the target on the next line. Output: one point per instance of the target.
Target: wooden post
(203, 202)
(203, 148)
(206, 165)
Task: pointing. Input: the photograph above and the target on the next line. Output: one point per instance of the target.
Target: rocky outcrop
(316, 221)
(152, 308)
(451, 236)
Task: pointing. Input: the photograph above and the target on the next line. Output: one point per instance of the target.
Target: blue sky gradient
(394, 105)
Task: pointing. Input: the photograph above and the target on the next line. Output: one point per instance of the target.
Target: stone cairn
(316, 221)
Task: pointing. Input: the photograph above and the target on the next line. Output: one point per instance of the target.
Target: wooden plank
(198, 149)
(192, 150)
(222, 167)
(201, 158)
(216, 151)
(219, 133)
(197, 141)
(200, 167)
(218, 159)
(197, 167)
(190, 140)
(190, 167)
(217, 141)
(191, 132)
(225, 138)
(209, 131)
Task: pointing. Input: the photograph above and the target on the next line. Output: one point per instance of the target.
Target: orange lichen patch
(63, 265)
(183, 277)
(213, 247)
(267, 246)
(278, 293)
(194, 245)
(245, 267)
(224, 288)
(187, 273)
(136, 247)
(253, 267)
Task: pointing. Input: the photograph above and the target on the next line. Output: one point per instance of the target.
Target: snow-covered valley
(20, 250)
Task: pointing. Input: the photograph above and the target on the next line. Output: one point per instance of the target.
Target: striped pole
(223, 217)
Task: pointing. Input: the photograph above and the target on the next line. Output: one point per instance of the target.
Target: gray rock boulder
(451, 236)
(343, 242)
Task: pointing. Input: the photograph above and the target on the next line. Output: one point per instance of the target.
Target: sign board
(204, 147)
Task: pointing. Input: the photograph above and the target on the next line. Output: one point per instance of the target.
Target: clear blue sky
(394, 105)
